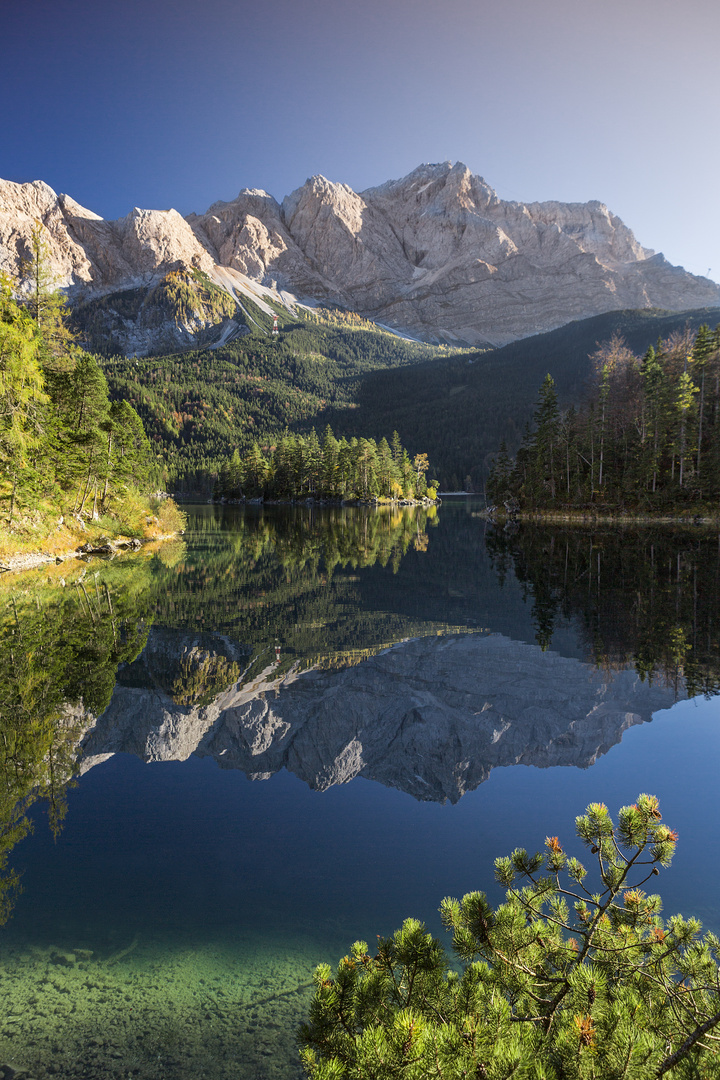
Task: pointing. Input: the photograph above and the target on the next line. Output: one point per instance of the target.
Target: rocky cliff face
(118, 274)
(431, 716)
(437, 254)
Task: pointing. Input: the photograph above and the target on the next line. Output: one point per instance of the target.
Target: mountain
(138, 285)
(436, 254)
(431, 716)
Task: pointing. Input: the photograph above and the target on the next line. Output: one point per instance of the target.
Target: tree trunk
(12, 499)
(86, 491)
(700, 423)
(107, 471)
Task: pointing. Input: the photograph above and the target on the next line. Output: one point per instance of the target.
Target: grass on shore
(51, 529)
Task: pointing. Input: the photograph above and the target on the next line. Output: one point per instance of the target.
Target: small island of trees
(303, 466)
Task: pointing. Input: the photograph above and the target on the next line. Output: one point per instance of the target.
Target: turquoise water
(172, 926)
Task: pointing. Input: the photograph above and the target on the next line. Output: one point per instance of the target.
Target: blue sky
(155, 103)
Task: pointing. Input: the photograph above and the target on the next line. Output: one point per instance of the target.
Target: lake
(228, 758)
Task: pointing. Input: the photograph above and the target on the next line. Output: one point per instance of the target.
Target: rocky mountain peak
(436, 253)
(319, 198)
(34, 199)
(440, 188)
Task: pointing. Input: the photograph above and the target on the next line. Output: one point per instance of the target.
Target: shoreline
(584, 517)
(310, 500)
(33, 560)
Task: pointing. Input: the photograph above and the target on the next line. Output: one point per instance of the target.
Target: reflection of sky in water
(207, 898)
(188, 848)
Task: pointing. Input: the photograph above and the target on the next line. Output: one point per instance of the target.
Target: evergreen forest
(70, 457)
(645, 436)
(335, 368)
(304, 467)
(198, 406)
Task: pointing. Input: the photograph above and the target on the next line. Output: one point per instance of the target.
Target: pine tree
(575, 977)
(329, 463)
(544, 444)
(129, 457)
(254, 472)
(701, 350)
(397, 448)
(497, 487)
(386, 471)
(44, 302)
(685, 406)
(654, 389)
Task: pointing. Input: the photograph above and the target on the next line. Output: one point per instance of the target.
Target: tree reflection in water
(61, 640)
(641, 597)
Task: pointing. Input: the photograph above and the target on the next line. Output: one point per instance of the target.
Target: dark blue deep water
(293, 751)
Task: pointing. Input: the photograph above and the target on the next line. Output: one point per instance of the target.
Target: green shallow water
(156, 1007)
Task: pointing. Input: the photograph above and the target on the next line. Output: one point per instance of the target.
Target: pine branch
(681, 1052)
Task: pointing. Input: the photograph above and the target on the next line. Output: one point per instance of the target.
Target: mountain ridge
(437, 254)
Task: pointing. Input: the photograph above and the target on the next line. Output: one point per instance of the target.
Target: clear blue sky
(159, 103)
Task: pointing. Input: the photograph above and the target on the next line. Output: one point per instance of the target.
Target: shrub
(171, 518)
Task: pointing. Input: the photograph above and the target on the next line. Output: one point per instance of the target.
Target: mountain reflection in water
(281, 640)
(431, 716)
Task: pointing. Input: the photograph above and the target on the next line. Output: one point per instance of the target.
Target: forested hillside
(72, 463)
(461, 407)
(198, 407)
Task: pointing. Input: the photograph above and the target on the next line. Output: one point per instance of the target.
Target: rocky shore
(101, 547)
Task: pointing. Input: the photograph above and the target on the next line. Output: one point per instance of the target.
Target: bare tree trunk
(592, 466)
(86, 491)
(107, 471)
(12, 499)
(655, 449)
(700, 425)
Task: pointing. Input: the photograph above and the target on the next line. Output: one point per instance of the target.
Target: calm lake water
(297, 727)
